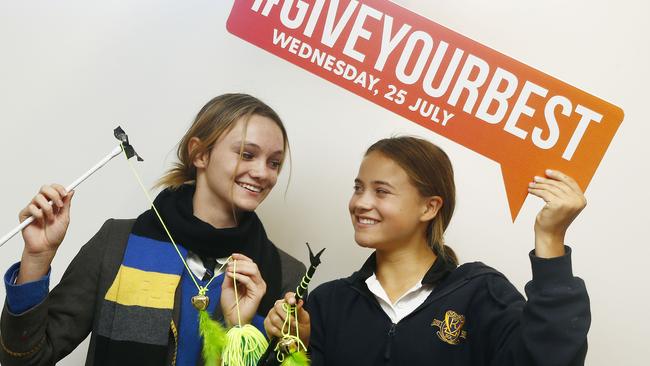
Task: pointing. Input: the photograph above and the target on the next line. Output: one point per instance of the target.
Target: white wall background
(71, 70)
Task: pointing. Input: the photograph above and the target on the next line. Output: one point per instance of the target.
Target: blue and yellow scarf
(136, 320)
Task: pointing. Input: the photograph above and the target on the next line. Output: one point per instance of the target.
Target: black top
(474, 316)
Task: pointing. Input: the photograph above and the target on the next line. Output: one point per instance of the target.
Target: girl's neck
(212, 210)
(398, 270)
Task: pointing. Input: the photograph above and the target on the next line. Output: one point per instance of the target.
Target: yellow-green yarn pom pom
(245, 346)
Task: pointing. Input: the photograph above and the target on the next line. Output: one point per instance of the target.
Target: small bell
(288, 346)
(200, 302)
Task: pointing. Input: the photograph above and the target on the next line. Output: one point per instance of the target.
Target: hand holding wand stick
(288, 346)
(124, 146)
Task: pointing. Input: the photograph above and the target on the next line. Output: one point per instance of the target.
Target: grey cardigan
(51, 330)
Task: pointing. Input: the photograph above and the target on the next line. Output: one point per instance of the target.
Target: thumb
(290, 298)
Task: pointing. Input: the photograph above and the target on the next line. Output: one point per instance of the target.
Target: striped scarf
(135, 322)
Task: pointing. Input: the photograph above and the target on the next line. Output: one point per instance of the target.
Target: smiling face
(255, 170)
(387, 210)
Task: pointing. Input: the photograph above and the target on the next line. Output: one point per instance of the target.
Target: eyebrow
(383, 183)
(376, 182)
(238, 144)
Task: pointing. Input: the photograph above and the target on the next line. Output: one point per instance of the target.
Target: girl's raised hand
(43, 237)
(564, 201)
(250, 290)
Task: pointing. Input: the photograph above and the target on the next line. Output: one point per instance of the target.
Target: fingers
(241, 279)
(49, 201)
(67, 202)
(31, 210)
(245, 267)
(280, 311)
(276, 320)
(242, 266)
(59, 188)
(44, 206)
(53, 194)
(559, 176)
(558, 187)
(547, 192)
(254, 287)
(245, 286)
(241, 257)
(564, 202)
(271, 329)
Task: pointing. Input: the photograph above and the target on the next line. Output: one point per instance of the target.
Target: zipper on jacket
(391, 333)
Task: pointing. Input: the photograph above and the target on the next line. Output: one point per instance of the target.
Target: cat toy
(123, 146)
(289, 349)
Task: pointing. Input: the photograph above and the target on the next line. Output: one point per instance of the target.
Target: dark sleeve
(292, 272)
(318, 321)
(548, 329)
(52, 329)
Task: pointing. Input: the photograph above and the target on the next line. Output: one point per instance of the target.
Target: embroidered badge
(451, 329)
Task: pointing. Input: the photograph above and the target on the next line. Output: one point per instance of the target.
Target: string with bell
(289, 349)
(241, 345)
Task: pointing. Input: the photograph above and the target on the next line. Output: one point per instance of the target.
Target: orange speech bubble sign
(518, 116)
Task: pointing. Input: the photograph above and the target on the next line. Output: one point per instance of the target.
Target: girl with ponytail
(412, 304)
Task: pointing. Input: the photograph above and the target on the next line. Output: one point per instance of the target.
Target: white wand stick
(119, 134)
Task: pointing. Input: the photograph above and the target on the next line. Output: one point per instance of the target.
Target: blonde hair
(430, 171)
(216, 118)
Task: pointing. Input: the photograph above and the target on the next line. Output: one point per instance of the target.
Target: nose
(260, 170)
(360, 202)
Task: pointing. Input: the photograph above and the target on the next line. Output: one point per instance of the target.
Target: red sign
(518, 116)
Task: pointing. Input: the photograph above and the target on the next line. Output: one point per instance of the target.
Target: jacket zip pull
(391, 333)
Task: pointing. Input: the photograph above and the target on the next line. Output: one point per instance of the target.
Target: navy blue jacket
(474, 316)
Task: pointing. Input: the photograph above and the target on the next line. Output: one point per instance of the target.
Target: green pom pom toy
(245, 346)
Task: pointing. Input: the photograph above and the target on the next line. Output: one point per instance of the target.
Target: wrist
(549, 245)
(34, 266)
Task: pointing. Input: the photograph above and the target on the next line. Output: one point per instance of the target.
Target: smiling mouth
(250, 187)
(366, 221)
